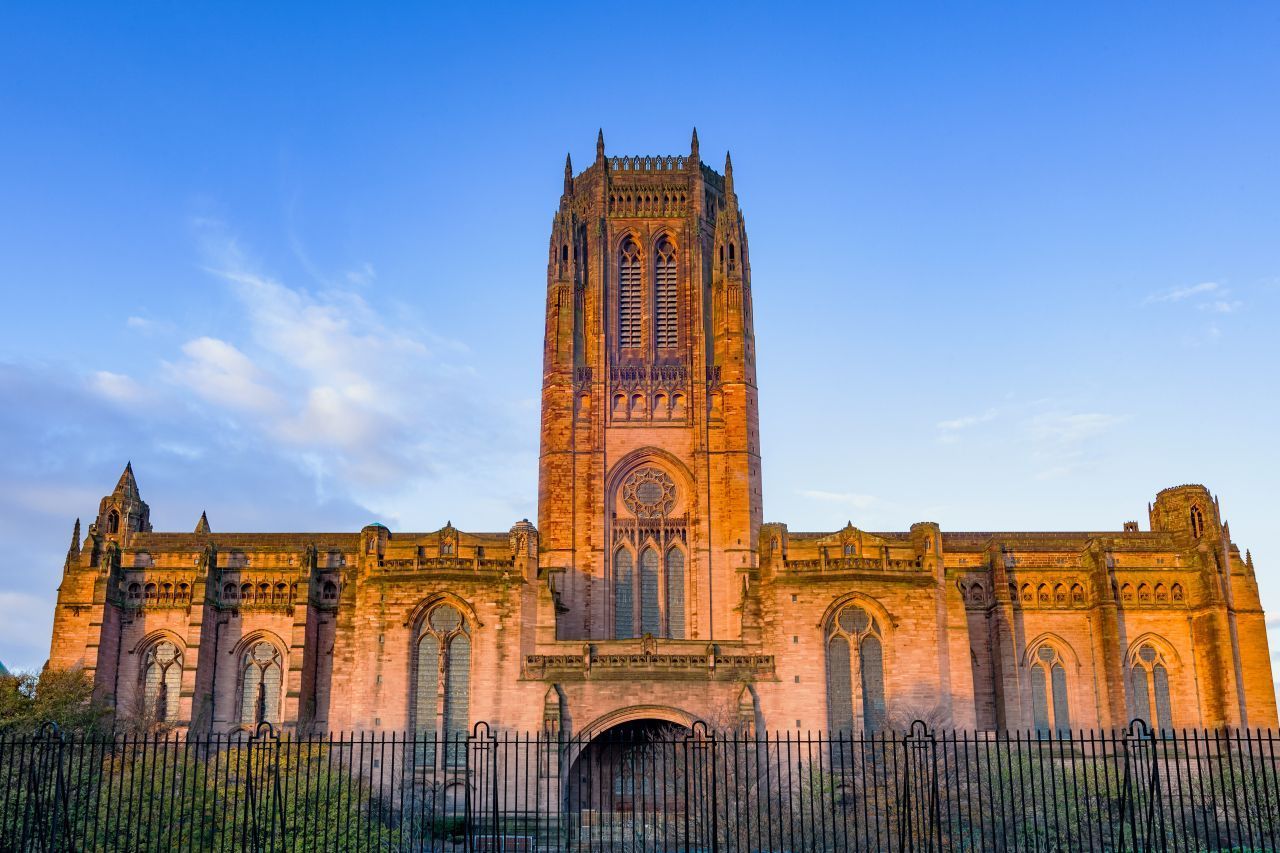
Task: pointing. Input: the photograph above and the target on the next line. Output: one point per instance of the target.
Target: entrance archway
(624, 768)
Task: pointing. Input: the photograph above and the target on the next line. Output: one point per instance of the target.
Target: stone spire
(568, 175)
(730, 199)
(73, 553)
(693, 147)
(600, 145)
(127, 486)
(202, 526)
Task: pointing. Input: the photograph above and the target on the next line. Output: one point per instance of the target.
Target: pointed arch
(160, 674)
(1047, 659)
(260, 678)
(1150, 664)
(419, 611)
(440, 704)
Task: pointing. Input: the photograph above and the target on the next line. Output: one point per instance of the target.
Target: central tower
(649, 498)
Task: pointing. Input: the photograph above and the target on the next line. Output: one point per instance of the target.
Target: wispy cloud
(1179, 294)
(1222, 306)
(948, 430)
(1210, 297)
(1061, 440)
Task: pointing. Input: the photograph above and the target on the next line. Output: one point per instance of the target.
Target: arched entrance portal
(626, 774)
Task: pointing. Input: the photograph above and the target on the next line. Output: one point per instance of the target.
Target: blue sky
(1015, 267)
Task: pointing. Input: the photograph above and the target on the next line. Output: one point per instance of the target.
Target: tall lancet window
(162, 681)
(1050, 705)
(650, 615)
(629, 313)
(623, 595)
(664, 277)
(1149, 682)
(855, 655)
(262, 672)
(675, 594)
(442, 697)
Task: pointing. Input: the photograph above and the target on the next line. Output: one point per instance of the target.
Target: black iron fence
(643, 789)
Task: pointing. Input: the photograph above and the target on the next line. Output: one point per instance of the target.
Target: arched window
(623, 595)
(629, 314)
(442, 696)
(113, 522)
(854, 629)
(650, 615)
(1149, 686)
(664, 278)
(1050, 707)
(262, 673)
(675, 594)
(329, 592)
(162, 681)
(1197, 522)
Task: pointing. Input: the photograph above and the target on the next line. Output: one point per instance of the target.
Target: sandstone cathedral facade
(651, 589)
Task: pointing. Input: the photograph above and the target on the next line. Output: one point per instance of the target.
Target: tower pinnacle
(600, 144)
(729, 197)
(693, 147)
(568, 175)
(127, 485)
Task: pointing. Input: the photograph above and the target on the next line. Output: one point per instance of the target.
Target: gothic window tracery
(649, 558)
(442, 695)
(162, 681)
(1197, 522)
(1050, 705)
(262, 672)
(1149, 686)
(629, 299)
(664, 276)
(855, 655)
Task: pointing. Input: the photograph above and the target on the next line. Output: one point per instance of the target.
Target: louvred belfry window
(629, 288)
(664, 276)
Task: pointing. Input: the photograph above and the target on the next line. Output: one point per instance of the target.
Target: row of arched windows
(648, 594)
(855, 667)
(631, 296)
(261, 677)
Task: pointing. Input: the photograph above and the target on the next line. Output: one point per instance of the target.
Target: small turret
(123, 512)
(568, 175)
(600, 146)
(693, 148)
(202, 526)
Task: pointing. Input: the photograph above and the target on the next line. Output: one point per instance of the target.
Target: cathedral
(651, 591)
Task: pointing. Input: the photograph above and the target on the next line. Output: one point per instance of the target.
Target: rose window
(649, 493)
